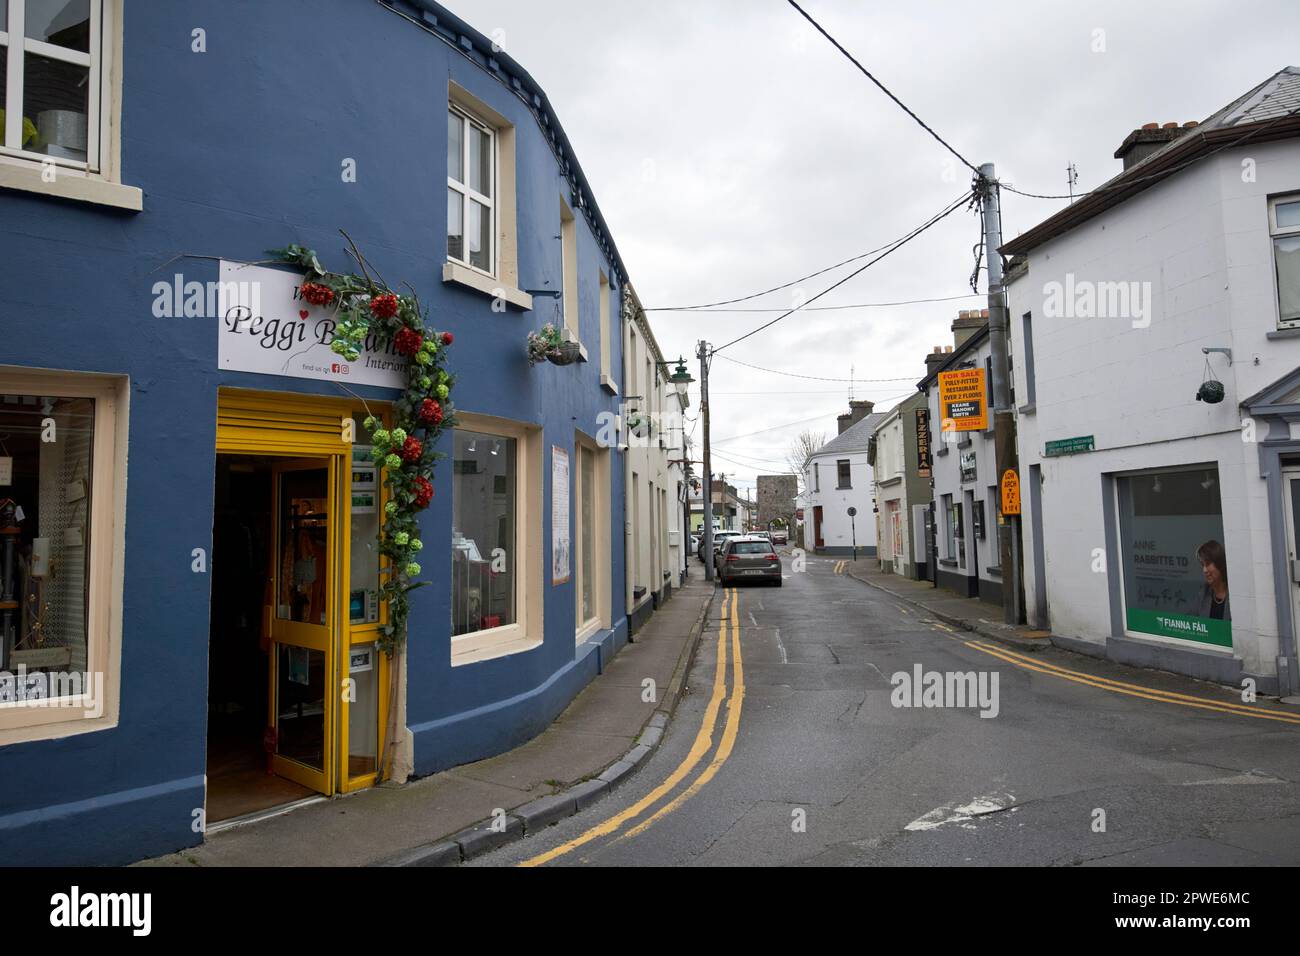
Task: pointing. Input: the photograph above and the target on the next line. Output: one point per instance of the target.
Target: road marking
(903, 609)
(734, 706)
(978, 807)
(1131, 690)
(703, 743)
(780, 646)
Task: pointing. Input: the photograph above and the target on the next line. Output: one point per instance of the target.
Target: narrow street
(795, 755)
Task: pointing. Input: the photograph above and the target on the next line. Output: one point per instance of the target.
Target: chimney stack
(858, 410)
(967, 323)
(1141, 143)
(936, 358)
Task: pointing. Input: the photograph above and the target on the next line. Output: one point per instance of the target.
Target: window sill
(70, 184)
(1283, 334)
(608, 384)
(464, 275)
(488, 650)
(947, 563)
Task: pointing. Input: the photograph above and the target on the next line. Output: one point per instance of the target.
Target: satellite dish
(852, 511)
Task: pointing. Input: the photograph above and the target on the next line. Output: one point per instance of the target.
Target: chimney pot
(1150, 125)
(1170, 126)
(984, 313)
(1190, 123)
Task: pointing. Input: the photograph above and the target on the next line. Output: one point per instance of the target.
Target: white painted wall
(1201, 241)
(837, 529)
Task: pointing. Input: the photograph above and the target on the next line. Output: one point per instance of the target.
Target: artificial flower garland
(369, 314)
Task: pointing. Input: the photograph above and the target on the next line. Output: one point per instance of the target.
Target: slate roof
(1272, 108)
(853, 439)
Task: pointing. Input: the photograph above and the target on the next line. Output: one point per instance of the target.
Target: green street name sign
(1068, 446)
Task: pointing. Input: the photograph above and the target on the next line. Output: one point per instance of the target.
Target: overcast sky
(731, 148)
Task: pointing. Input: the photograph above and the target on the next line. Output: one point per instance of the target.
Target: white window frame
(569, 270)
(600, 538)
(467, 193)
(1280, 232)
(23, 721)
(525, 632)
(98, 180)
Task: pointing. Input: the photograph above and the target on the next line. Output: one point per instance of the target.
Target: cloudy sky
(732, 149)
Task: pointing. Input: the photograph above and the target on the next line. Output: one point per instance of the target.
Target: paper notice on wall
(6, 471)
(559, 515)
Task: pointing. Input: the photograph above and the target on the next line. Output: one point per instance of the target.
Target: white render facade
(652, 436)
(1117, 532)
(966, 496)
(838, 477)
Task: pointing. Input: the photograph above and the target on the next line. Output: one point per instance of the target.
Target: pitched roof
(854, 438)
(1270, 111)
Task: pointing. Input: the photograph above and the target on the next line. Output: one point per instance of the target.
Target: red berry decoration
(408, 341)
(384, 306)
(448, 338)
(430, 412)
(316, 294)
(423, 492)
(412, 449)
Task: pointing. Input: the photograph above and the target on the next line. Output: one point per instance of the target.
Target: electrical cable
(865, 72)
(816, 378)
(949, 210)
(820, 308)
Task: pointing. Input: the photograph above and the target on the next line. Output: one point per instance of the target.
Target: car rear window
(751, 547)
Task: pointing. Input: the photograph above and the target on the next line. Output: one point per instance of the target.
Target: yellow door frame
(291, 425)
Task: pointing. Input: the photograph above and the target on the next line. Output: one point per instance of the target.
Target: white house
(901, 462)
(965, 471)
(838, 478)
(1141, 502)
(653, 439)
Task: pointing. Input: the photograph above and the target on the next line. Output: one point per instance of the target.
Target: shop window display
(45, 498)
(484, 518)
(1174, 561)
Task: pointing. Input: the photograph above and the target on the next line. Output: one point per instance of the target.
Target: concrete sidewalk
(596, 743)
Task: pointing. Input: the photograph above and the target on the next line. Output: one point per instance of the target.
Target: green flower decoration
(416, 544)
(412, 570)
(398, 436)
(443, 392)
(390, 508)
(393, 461)
(401, 538)
(379, 437)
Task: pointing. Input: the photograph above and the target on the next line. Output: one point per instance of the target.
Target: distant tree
(801, 450)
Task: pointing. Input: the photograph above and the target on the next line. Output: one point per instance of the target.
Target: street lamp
(680, 377)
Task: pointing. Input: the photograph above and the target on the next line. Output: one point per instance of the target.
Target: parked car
(748, 557)
(779, 536)
(719, 537)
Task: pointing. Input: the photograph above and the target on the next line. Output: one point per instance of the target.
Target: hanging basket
(566, 354)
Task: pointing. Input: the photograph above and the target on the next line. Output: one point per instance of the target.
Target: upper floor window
(1285, 226)
(50, 77)
(471, 187)
(843, 473)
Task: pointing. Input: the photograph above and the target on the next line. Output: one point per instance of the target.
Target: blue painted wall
(239, 150)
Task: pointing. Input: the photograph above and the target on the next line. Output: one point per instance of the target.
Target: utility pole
(703, 354)
(1004, 422)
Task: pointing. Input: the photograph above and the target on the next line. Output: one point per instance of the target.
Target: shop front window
(45, 522)
(1174, 564)
(483, 537)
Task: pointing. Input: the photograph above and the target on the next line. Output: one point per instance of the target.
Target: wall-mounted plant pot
(566, 354)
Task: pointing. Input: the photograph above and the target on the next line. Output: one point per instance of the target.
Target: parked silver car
(719, 538)
(748, 558)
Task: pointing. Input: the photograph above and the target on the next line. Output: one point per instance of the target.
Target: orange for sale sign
(963, 403)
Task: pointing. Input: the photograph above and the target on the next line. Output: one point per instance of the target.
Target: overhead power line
(820, 308)
(816, 378)
(949, 210)
(867, 73)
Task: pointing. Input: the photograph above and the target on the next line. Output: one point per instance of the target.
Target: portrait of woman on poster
(1214, 595)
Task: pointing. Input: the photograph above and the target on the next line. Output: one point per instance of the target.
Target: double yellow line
(1131, 690)
(839, 566)
(699, 748)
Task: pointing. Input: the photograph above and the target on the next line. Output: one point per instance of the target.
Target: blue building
(189, 508)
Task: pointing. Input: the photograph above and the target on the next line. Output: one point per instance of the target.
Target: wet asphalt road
(819, 767)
